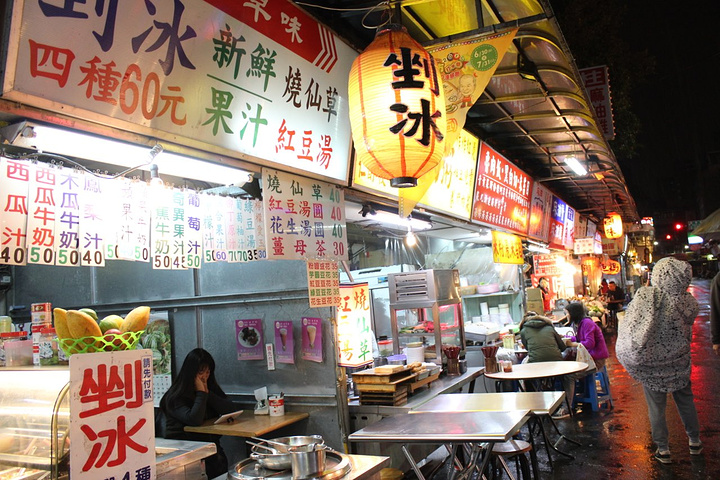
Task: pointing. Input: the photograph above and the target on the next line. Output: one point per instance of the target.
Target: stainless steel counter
(180, 459)
(444, 384)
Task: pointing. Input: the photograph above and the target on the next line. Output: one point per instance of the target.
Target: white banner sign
(256, 78)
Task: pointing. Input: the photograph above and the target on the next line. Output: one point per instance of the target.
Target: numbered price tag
(240, 256)
(13, 256)
(192, 260)
(67, 257)
(41, 255)
(92, 258)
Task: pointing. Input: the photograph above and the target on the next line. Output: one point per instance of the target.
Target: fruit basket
(110, 342)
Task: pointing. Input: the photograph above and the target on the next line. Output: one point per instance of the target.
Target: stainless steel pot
(283, 459)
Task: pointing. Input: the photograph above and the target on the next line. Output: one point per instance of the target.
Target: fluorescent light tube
(397, 221)
(576, 167)
(91, 147)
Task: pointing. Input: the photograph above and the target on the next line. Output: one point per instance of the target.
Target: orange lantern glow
(611, 267)
(613, 225)
(397, 108)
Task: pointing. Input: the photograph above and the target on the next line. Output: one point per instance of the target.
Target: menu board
(502, 192)
(258, 78)
(557, 223)
(304, 218)
(323, 283)
(507, 248)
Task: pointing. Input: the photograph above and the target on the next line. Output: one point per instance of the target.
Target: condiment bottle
(48, 346)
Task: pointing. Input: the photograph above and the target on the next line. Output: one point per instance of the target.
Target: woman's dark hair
(184, 384)
(576, 311)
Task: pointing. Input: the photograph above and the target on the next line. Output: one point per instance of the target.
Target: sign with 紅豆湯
(257, 79)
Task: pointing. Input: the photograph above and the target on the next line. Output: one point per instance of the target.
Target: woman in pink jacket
(588, 333)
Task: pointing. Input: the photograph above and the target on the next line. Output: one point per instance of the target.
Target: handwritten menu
(256, 78)
(111, 427)
(311, 329)
(67, 220)
(284, 342)
(41, 215)
(249, 339)
(93, 217)
(323, 283)
(502, 192)
(353, 326)
(304, 218)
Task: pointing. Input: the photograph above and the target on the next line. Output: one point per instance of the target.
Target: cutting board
(397, 372)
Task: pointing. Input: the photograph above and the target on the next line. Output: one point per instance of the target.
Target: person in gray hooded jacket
(653, 345)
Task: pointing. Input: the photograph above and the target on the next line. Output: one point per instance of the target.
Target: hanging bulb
(155, 179)
(410, 238)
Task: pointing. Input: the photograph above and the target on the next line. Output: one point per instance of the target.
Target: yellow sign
(452, 190)
(353, 326)
(611, 267)
(507, 248)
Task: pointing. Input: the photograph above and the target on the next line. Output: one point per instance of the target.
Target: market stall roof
(536, 118)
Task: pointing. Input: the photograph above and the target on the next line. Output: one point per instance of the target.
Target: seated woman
(544, 344)
(194, 397)
(588, 333)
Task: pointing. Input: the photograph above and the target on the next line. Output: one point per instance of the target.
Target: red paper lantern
(397, 108)
(613, 225)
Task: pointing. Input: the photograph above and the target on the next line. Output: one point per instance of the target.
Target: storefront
(217, 88)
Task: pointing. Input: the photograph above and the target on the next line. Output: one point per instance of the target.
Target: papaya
(80, 324)
(61, 325)
(136, 320)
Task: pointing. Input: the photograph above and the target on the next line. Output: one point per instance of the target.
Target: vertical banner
(42, 211)
(177, 244)
(323, 283)
(569, 228)
(193, 228)
(284, 342)
(209, 203)
(112, 428)
(118, 233)
(502, 192)
(304, 218)
(597, 84)
(92, 221)
(249, 336)
(540, 206)
(140, 214)
(67, 223)
(557, 223)
(311, 332)
(465, 69)
(353, 326)
(507, 248)
(14, 184)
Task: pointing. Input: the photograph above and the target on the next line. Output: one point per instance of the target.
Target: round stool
(517, 449)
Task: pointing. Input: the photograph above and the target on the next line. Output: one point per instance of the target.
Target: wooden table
(249, 424)
(478, 430)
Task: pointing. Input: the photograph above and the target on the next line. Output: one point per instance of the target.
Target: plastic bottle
(48, 344)
(5, 324)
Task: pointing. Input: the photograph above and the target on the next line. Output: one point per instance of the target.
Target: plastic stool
(594, 389)
(517, 449)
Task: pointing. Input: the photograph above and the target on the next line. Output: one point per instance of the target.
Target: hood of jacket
(535, 321)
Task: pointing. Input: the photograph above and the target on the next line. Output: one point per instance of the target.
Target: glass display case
(34, 423)
(425, 307)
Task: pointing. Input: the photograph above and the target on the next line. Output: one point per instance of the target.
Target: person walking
(715, 314)
(653, 345)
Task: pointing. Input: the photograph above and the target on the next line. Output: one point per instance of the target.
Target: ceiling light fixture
(572, 162)
(155, 179)
(71, 143)
(410, 238)
(400, 222)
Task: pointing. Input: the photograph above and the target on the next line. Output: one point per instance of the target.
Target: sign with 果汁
(502, 192)
(304, 218)
(353, 326)
(256, 79)
(112, 428)
(507, 248)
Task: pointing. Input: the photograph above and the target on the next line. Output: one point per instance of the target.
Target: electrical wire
(384, 6)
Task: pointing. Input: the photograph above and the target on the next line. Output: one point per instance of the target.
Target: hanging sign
(610, 267)
(67, 221)
(323, 283)
(502, 192)
(507, 248)
(284, 342)
(613, 246)
(245, 230)
(557, 222)
(547, 265)
(353, 326)
(258, 78)
(112, 428)
(304, 218)
(597, 83)
(14, 184)
(311, 329)
(193, 229)
(163, 257)
(584, 246)
(569, 228)
(94, 214)
(612, 225)
(540, 206)
(249, 339)
(42, 214)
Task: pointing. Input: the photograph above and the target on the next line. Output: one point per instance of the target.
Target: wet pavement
(616, 443)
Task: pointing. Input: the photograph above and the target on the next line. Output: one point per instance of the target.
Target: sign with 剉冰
(304, 218)
(353, 326)
(507, 248)
(112, 428)
(258, 79)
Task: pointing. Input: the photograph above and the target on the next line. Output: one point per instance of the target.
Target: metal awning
(536, 122)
